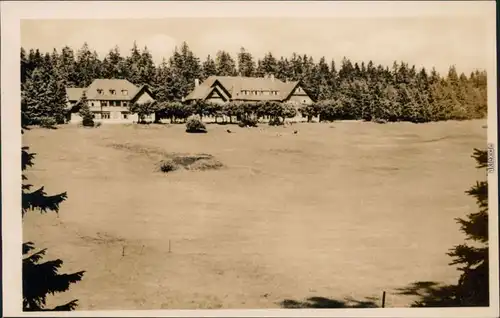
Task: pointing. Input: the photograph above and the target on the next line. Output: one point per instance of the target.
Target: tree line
(352, 90)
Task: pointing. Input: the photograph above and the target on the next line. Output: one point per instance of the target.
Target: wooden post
(383, 299)
(123, 251)
(169, 245)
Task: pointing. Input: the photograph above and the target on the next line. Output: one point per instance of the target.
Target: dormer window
(124, 92)
(100, 92)
(112, 92)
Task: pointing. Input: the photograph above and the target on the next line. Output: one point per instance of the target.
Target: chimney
(196, 82)
(272, 77)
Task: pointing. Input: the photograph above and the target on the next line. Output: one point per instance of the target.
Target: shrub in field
(248, 122)
(47, 122)
(88, 122)
(167, 166)
(195, 125)
(275, 121)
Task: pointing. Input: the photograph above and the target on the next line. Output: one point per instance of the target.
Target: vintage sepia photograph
(237, 160)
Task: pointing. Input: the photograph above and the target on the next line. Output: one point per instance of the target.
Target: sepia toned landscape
(256, 163)
(343, 209)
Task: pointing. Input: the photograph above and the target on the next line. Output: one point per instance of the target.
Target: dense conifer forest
(342, 90)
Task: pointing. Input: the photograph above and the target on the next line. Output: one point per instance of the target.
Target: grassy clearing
(337, 212)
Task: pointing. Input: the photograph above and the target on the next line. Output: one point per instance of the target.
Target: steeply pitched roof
(138, 93)
(118, 85)
(234, 85)
(74, 93)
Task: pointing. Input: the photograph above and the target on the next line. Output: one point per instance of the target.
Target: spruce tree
(161, 82)
(246, 65)
(208, 68)
(284, 70)
(83, 66)
(473, 284)
(43, 97)
(35, 60)
(225, 64)
(321, 80)
(346, 72)
(472, 288)
(191, 69)
(184, 68)
(268, 65)
(67, 67)
(297, 67)
(132, 61)
(85, 113)
(115, 65)
(42, 278)
(146, 68)
(24, 66)
(333, 78)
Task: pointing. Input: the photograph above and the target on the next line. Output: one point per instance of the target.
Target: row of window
(255, 92)
(116, 115)
(107, 115)
(111, 103)
(112, 92)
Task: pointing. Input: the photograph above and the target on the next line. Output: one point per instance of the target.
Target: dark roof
(74, 93)
(106, 85)
(235, 85)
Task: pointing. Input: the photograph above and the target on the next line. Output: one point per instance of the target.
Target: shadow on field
(433, 294)
(322, 302)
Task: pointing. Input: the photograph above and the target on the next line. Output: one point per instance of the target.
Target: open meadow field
(343, 209)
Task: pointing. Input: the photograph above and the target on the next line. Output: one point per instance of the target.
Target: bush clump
(195, 125)
(248, 122)
(167, 166)
(88, 122)
(275, 121)
(47, 122)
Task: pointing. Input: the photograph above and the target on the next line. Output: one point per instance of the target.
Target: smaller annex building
(108, 99)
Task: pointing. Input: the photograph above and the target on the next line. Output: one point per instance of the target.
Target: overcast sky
(424, 41)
